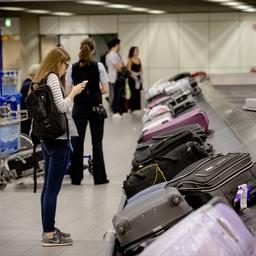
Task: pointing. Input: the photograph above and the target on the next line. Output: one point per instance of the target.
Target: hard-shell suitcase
(157, 89)
(157, 101)
(180, 101)
(154, 112)
(218, 175)
(213, 230)
(195, 116)
(152, 214)
(177, 102)
(158, 120)
(182, 84)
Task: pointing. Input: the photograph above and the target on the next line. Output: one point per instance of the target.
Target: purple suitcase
(195, 116)
(213, 230)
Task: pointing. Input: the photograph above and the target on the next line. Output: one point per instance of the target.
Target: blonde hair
(86, 51)
(51, 63)
(33, 69)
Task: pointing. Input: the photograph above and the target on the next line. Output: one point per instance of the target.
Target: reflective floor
(86, 211)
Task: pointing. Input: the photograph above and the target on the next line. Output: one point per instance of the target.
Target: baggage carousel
(232, 129)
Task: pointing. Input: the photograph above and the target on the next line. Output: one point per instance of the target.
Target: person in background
(115, 64)
(135, 80)
(56, 152)
(84, 112)
(26, 125)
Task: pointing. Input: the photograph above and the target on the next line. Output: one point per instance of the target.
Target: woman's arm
(104, 79)
(63, 104)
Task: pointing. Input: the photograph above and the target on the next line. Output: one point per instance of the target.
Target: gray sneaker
(56, 240)
(65, 235)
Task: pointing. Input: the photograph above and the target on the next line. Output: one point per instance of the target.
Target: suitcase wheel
(174, 200)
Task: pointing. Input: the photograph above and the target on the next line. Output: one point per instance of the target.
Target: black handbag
(100, 112)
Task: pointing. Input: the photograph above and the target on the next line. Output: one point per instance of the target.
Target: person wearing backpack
(25, 126)
(56, 151)
(88, 108)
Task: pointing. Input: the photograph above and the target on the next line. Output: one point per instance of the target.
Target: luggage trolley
(15, 149)
(9, 140)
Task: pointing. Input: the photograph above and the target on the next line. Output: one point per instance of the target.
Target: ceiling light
(62, 13)
(138, 9)
(218, 1)
(7, 8)
(242, 7)
(118, 6)
(38, 11)
(92, 2)
(231, 3)
(250, 10)
(155, 12)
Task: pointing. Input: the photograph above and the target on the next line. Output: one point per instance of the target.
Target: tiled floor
(85, 211)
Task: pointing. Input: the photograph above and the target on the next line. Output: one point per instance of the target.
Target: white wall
(172, 43)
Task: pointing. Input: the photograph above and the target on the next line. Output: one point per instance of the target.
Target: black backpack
(48, 123)
(145, 153)
(164, 168)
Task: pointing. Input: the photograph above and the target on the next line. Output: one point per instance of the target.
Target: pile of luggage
(184, 199)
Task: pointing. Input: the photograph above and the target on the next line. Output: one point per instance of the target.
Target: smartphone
(85, 82)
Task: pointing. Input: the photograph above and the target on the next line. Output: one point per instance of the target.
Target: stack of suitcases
(183, 199)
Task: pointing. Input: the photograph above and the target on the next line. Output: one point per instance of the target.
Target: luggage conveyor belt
(236, 95)
(230, 132)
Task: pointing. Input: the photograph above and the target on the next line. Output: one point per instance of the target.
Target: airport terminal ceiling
(76, 8)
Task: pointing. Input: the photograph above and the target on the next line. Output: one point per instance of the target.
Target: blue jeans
(56, 157)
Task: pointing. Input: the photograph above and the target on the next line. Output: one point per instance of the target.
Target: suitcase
(195, 128)
(248, 216)
(157, 89)
(149, 216)
(195, 116)
(182, 84)
(179, 76)
(163, 168)
(158, 120)
(157, 101)
(219, 175)
(154, 112)
(177, 102)
(180, 101)
(145, 153)
(213, 230)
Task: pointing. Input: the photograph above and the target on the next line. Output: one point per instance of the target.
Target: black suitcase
(164, 168)
(195, 128)
(158, 147)
(218, 175)
(248, 216)
(179, 76)
(23, 166)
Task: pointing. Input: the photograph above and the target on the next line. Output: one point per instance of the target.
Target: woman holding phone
(87, 107)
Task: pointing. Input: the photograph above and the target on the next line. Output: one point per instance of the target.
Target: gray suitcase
(213, 230)
(150, 215)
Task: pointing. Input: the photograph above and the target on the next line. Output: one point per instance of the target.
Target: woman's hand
(134, 77)
(77, 89)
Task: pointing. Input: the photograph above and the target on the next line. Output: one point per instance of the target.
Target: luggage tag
(243, 196)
